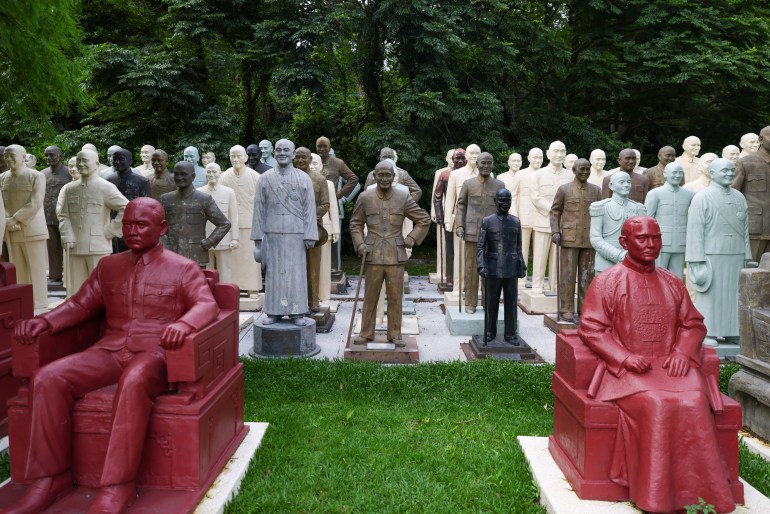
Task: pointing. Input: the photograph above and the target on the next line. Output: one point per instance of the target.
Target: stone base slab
(554, 325)
(339, 283)
(249, 304)
(464, 324)
(499, 348)
(407, 308)
(538, 303)
(407, 355)
(557, 497)
(324, 320)
(452, 298)
(409, 326)
(435, 278)
(284, 339)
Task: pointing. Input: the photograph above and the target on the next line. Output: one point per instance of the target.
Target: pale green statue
(717, 249)
(668, 204)
(607, 218)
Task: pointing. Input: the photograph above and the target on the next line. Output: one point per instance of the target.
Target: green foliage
(701, 506)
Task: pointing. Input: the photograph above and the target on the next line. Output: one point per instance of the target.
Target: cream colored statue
(331, 223)
(522, 201)
(545, 182)
(243, 180)
(219, 256)
(700, 183)
(689, 159)
(440, 250)
(89, 146)
(598, 159)
(30, 161)
(72, 167)
(569, 161)
(207, 158)
(638, 168)
(146, 154)
(84, 220)
(455, 184)
(514, 166)
(23, 192)
(731, 152)
(749, 144)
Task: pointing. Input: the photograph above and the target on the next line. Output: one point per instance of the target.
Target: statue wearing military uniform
(752, 178)
(187, 211)
(382, 210)
(56, 176)
(475, 202)
(640, 184)
(668, 204)
(607, 218)
(500, 262)
(402, 176)
(570, 231)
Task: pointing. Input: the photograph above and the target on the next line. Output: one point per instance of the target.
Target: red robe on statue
(666, 449)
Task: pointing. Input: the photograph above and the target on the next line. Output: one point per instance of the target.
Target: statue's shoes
(315, 308)
(398, 342)
(300, 321)
(361, 340)
(567, 317)
(269, 320)
(41, 493)
(470, 310)
(514, 340)
(113, 499)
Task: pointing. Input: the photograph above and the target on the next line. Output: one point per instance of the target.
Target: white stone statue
(207, 158)
(455, 184)
(544, 184)
(30, 161)
(440, 250)
(89, 146)
(84, 220)
(749, 144)
(192, 155)
(106, 172)
(72, 168)
(331, 223)
(243, 180)
(23, 192)
(219, 256)
(146, 155)
(266, 147)
(522, 201)
(514, 166)
(706, 159)
(731, 152)
(569, 161)
(598, 159)
(689, 158)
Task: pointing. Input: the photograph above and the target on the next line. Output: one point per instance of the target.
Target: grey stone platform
(284, 339)
(464, 324)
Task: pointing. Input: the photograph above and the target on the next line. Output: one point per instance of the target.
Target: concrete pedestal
(554, 325)
(407, 308)
(339, 283)
(499, 348)
(452, 298)
(362, 352)
(538, 303)
(284, 339)
(251, 304)
(435, 278)
(464, 324)
(409, 326)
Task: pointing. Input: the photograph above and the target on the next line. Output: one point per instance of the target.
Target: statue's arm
(695, 240)
(63, 213)
(651, 204)
(462, 205)
(692, 330)
(201, 308)
(115, 201)
(322, 207)
(28, 211)
(414, 190)
(601, 246)
(222, 225)
(481, 263)
(357, 221)
(350, 178)
(538, 200)
(557, 208)
(232, 214)
(420, 218)
(740, 175)
(450, 201)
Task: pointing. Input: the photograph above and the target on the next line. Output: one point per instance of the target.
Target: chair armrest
(27, 358)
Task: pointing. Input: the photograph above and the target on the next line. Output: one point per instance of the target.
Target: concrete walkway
(434, 340)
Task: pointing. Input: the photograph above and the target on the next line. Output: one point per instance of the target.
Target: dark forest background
(415, 75)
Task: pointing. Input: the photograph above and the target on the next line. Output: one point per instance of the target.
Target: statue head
(707, 158)
(146, 153)
(384, 173)
(302, 158)
(620, 184)
(388, 153)
(764, 139)
(598, 159)
(673, 172)
(556, 153)
(486, 164)
(638, 156)
(111, 153)
(207, 158)
(53, 156)
(322, 147)
(213, 172)
(122, 160)
(87, 163)
(627, 160)
(14, 157)
(72, 167)
(641, 237)
(472, 154)
(749, 142)
(582, 170)
(30, 161)
(315, 163)
(238, 157)
(144, 223)
(448, 157)
(569, 161)
(89, 146)
(159, 161)
(722, 172)
(184, 174)
(458, 159)
(191, 155)
(254, 155)
(266, 149)
(666, 155)
(503, 201)
(535, 158)
(731, 152)
(514, 162)
(691, 146)
(284, 153)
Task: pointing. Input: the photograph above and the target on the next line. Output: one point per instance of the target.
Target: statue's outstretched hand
(677, 364)
(636, 364)
(174, 334)
(206, 244)
(27, 330)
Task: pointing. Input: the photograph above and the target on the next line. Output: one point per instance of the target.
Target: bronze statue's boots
(470, 310)
(398, 342)
(514, 340)
(113, 499)
(566, 316)
(315, 308)
(41, 493)
(361, 340)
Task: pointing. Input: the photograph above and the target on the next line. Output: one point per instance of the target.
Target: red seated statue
(648, 422)
(151, 300)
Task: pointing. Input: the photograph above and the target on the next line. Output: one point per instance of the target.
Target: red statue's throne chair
(194, 428)
(584, 428)
(15, 304)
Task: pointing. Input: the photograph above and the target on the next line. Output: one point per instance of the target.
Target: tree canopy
(418, 76)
